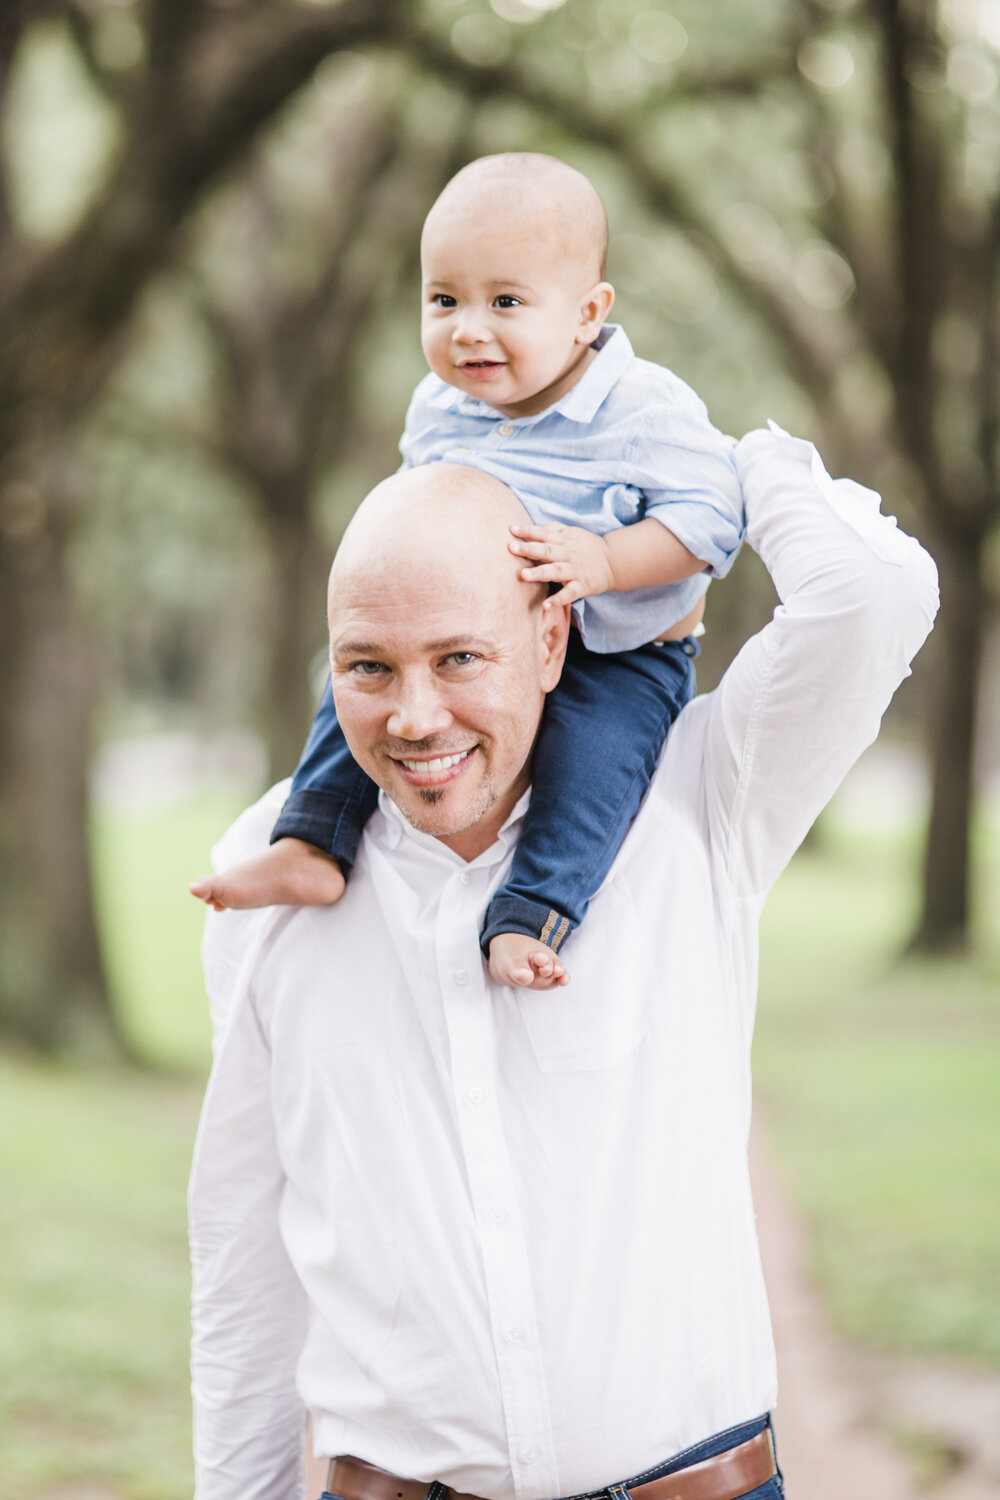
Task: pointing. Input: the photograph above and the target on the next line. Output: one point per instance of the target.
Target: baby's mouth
(476, 367)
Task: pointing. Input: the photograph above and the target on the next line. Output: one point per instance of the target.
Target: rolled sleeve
(688, 475)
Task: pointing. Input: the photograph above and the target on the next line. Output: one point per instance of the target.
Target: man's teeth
(445, 762)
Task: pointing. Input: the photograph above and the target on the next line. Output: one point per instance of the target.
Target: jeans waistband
(719, 1442)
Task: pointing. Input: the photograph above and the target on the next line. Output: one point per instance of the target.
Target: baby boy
(636, 505)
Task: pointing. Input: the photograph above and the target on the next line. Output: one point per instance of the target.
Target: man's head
(512, 260)
(441, 655)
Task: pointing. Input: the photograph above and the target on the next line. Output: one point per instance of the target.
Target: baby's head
(512, 259)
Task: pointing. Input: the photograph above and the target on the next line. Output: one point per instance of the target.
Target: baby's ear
(594, 311)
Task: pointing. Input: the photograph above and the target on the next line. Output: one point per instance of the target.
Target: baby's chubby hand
(570, 555)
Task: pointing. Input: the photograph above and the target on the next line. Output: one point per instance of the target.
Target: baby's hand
(524, 962)
(290, 873)
(569, 555)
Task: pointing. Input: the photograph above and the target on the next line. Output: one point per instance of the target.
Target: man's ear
(554, 639)
(594, 310)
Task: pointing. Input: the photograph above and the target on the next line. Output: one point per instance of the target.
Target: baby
(635, 502)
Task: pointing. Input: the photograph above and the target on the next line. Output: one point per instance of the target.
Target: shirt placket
(516, 1344)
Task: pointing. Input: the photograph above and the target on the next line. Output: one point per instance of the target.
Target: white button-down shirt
(505, 1239)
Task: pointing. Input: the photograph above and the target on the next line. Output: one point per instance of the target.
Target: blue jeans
(720, 1442)
(601, 735)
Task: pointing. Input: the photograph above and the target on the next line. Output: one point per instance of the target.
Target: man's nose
(418, 711)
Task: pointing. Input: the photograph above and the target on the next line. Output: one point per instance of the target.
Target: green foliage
(151, 924)
(881, 1082)
(94, 1283)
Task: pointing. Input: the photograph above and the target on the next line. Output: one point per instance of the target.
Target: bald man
(633, 504)
(499, 1242)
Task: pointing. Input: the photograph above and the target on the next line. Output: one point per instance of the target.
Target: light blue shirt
(630, 440)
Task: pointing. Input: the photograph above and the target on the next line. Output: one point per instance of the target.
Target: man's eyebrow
(460, 643)
(354, 648)
(371, 649)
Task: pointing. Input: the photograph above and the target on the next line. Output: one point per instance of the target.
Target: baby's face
(507, 316)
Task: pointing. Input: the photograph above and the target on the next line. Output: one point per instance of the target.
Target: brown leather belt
(724, 1477)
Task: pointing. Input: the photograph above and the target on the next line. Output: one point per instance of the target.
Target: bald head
(441, 655)
(557, 201)
(422, 522)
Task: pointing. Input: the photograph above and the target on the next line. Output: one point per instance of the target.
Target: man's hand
(570, 555)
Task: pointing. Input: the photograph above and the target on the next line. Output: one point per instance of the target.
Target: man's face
(439, 680)
(504, 309)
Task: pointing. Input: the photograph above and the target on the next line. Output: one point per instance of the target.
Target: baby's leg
(315, 840)
(602, 732)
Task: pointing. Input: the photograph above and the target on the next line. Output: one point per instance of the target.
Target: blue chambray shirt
(630, 440)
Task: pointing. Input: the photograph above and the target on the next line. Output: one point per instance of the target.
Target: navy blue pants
(601, 735)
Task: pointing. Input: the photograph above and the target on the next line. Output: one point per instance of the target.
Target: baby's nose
(470, 328)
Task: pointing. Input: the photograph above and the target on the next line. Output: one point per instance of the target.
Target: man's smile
(433, 770)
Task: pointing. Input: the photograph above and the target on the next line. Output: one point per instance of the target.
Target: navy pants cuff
(318, 818)
(516, 914)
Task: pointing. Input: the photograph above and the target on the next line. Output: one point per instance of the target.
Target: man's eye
(367, 668)
(461, 658)
(442, 299)
(506, 301)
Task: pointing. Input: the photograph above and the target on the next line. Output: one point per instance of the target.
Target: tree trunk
(943, 924)
(296, 629)
(52, 989)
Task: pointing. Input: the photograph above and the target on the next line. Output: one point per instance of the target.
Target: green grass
(881, 1084)
(94, 1283)
(152, 925)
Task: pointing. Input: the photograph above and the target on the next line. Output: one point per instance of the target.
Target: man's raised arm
(806, 695)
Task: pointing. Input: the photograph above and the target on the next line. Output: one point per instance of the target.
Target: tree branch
(74, 305)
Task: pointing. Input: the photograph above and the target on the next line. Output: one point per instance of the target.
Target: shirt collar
(396, 828)
(580, 404)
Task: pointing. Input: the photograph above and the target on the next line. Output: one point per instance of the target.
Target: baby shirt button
(505, 429)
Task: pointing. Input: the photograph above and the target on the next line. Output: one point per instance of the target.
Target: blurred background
(209, 215)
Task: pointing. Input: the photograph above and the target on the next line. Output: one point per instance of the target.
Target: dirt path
(839, 1409)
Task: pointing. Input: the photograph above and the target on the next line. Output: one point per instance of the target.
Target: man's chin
(431, 809)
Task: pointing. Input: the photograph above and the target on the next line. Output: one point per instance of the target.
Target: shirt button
(461, 976)
(465, 877)
(505, 429)
(476, 1096)
(459, 450)
(497, 1215)
(530, 1456)
(515, 1335)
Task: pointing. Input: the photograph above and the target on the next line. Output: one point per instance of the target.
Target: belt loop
(618, 1492)
(436, 1490)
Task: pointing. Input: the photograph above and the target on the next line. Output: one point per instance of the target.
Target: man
(504, 1241)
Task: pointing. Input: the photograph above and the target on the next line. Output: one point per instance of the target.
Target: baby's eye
(442, 299)
(508, 301)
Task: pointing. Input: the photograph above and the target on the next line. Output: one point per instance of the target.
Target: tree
(198, 86)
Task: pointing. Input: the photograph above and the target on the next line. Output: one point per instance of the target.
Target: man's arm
(249, 1310)
(805, 696)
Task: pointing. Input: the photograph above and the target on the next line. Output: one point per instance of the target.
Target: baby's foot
(524, 962)
(290, 873)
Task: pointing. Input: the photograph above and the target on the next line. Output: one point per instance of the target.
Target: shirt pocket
(613, 999)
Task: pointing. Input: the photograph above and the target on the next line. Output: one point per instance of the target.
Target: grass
(881, 1086)
(880, 1081)
(94, 1283)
